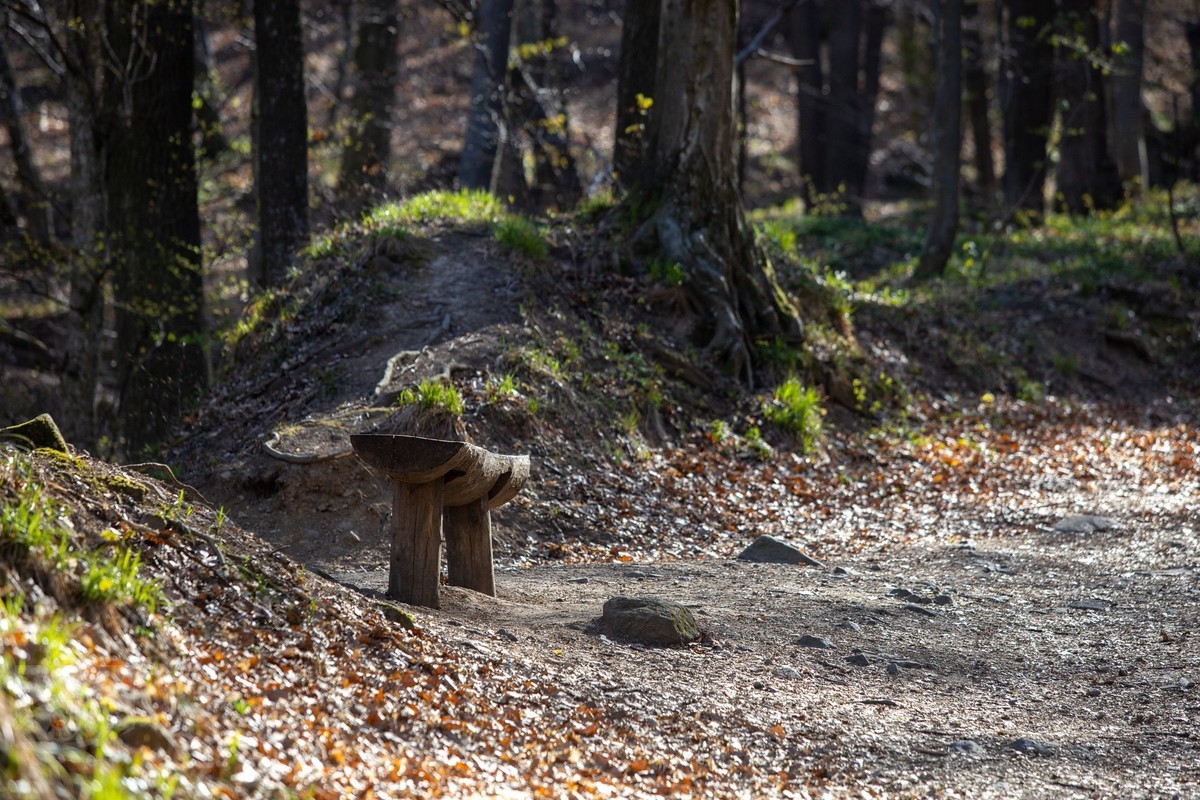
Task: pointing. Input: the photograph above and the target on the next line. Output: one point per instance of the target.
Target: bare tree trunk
(635, 79)
(555, 176)
(84, 62)
(1087, 175)
(212, 134)
(1026, 99)
(804, 30)
(947, 141)
(1128, 143)
(376, 73)
(975, 83)
(281, 140)
(700, 223)
(487, 94)
(35, 202)
(154, 222)
(844, 110)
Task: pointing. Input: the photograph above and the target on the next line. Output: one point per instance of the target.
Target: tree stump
(441, 485)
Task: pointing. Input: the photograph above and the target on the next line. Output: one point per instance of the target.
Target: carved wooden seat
(441, 486)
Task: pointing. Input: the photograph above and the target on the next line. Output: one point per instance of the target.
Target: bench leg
(416, 543)
(469, 547)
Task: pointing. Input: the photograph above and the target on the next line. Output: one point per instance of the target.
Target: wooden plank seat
(441, 487)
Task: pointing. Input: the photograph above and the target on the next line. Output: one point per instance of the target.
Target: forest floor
(969, 635)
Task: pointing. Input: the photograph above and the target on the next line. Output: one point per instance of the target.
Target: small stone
(1030, 747)
(966, 747)
(758, 685)
(848, 625)
(394, 613)
(842, 572)
(814, 641)
(1091, 604)
(507, 635)
(858, 660)
(769, 550)
(351, 537)
(916, 609)
(893, 668)
(649, 620)
(943, 600)
(580, 579)
(1084, 523)
(791, 673)
(138, 732)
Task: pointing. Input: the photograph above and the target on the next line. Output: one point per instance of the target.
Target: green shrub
(521, 236)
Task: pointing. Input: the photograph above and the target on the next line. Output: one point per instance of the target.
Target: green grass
(430, 394)
(521, 236)
(466, 206)
(797, 409)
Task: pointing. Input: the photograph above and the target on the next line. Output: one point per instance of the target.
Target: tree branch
(765, 31)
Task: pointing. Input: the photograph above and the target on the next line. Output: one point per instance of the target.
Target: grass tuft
(430, 394)
(797, 409)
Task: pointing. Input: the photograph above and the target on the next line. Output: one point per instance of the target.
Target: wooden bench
(441, 487)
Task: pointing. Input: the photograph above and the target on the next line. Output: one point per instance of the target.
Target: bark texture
(376, 73)
(1128, 142)
(699, 223)
(1026, 100)
(35, 202)
(975, 86)
(1087, 175)
(804, 30)
(486, 113)
(636, 72)
(154, 221)
(281, 139)
(947, 141)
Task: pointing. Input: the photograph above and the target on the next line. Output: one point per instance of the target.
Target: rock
(967, 747)
(842, 572)
(893, 668)
(769, 550)
(814, 641)
(1091, 604)
(849, 625)
(1084, 523)
(138, 732)
(649, 620)
(916, 609)
(39, 433)
(943, 600)
(791, 673)
(398, 615)
(506, 635)
(1031, 748)
(858, 660)
(580, 579)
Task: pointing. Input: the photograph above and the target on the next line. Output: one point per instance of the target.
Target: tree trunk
(975, 84)
(699, 223)
(947, 141)
(376, 73)
(154, 222)
(84, 61)
(212, 134)
(1128, 144)
(556, 181)
(635, 86)
(487, 94)
(804, 30)
(35, 202)
(844, 110)
(281, 140)
(1087, 175)
(1026, 99)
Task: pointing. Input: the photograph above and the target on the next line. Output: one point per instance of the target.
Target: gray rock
(814, 641)
(849, 625)
(1091, 604)
(966, 747)
(1030, 747)
(791, 673)
(1084, 523)
(916, 609)
(138, 732)
(858, 660)
(649, 620)
(506, 635)
(769, 550)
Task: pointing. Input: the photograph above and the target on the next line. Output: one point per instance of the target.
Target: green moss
(39, 433)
